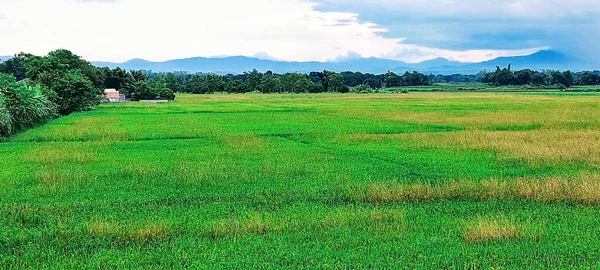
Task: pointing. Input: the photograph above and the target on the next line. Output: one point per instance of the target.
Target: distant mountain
(438, 62)
(537, 61)
(239, 64)
(4, 58)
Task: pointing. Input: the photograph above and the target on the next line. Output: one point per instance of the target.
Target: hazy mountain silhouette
(537, 61)
(238, 64)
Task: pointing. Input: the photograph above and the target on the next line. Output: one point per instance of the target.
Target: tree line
(270, 82)
(564, 79)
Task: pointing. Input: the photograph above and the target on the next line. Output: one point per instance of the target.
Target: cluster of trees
(522, 77)
(506, 76)
(269, 82)
(587, 78)
(457, 78)
(35, 89)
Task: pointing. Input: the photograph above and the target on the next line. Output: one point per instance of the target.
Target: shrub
(22, 106)
(5, 121)
(362, 88)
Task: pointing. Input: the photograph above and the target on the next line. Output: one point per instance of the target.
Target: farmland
(418, 180)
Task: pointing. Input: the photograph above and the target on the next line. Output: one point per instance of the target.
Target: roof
(110, 91)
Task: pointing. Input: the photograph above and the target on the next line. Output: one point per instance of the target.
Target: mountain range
(546, 59)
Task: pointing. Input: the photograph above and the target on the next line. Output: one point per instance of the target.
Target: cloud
(350, 55)
(465, 25)
(264, 56)
(299, 30)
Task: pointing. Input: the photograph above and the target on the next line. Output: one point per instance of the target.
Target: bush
(362, 88)
(22, 106)
(5, 121)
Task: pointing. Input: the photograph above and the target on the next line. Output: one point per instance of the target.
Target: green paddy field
(419, 180)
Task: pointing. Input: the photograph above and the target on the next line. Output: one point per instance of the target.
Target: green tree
(14, 66)
(119, 79)
(271, 85)
(335, 82)
(255, 79)
(59, 62)
(153, 90)
(74, 91)
(173, 82)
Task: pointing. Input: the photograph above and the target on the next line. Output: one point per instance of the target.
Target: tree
(524, 76)
(392, 80)
(372, 82)
(214, 83)
(304, 85)
(539, 78)
(568, 78)
(335, 81)
(153, 90)
(173, 82)
(59, 62)
(588, 78)
(289, 82)
(271, 85)
(14, 66)
(255, 80)
(74, 91)
(119, 79)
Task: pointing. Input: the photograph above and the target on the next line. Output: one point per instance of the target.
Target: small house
(112, 95)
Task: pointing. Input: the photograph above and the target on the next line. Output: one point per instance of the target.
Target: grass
(419, 180)
(500, 228)
(582, 189)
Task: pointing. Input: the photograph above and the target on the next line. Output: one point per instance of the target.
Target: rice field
(419, 180)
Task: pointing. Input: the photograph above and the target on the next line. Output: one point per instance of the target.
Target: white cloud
(160, 30)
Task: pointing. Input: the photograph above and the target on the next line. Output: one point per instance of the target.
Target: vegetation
(420, 180)
(22, 106)
(65, 83)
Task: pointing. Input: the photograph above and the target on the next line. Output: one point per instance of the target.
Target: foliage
(22, 106)
(506, 76)
(153, 90)
(77, 84)
(74, 91)
(14, 66)
(269, 82)
(119, 79)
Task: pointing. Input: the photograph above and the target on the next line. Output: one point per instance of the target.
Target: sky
(300, 30)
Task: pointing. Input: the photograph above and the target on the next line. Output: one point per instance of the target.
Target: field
(419, 180)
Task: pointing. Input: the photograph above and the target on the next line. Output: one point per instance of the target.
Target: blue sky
(300, 30)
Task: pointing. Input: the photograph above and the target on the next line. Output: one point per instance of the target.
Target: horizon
(292, 61)
(299, 30)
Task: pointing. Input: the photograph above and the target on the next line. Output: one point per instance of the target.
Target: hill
(238, 64)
